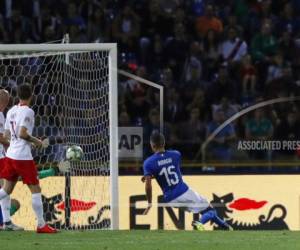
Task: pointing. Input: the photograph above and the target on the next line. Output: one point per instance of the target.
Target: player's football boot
(46, 230)
(198, 225)
(12, 227)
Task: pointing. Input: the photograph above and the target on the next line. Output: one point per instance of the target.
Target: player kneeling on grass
(19, 162)
(164, 166)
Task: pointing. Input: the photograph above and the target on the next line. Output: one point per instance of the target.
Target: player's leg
(191, 202)
(27, 170)
(221, 223)
(6, 208)
(37, 206)
(15, 206)
(199, 204)
(10, 177)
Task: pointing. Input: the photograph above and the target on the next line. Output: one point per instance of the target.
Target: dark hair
(157, 139)
(24, 91)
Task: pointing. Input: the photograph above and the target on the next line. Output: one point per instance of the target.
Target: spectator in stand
(48, 25)
(248, 76)
(154, 22)
(211, 55)
(226, 107)
(198, 101)
(287, 130)
(126, 29)
(260, 12)
(287, 46)
(275, 70)
(175, 49)
(192, 133)
(259, 128)
(285, 84)
(138, 107)
(220, 147)
(167, 78)
(241, 12)
(208, 22)
(222, 86)
(233, 49)
(98, 29)
(287, 21)
(264, 44)
(124, 119)
(197, 7)
(192, 72)
(173, 108)
(73, 17)
(233, 23)
(19, 28)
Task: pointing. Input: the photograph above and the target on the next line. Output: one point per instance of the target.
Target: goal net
(75, 103)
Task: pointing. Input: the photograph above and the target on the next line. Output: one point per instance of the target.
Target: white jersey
(2, 123)
(19, 116)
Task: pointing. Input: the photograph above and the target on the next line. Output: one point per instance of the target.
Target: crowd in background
(214, 58)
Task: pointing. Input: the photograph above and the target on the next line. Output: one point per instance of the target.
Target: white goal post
(88, 51)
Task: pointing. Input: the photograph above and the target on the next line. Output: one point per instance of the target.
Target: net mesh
(71, 104)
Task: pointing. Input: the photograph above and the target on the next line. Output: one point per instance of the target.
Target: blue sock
(1, 218)
(221, 223)
(207, 216)
(212, 215)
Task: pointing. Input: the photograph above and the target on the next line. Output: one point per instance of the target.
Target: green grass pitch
(154, 240)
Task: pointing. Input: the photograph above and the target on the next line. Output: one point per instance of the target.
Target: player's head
(24, 92)
(4, 99)
(157, 141)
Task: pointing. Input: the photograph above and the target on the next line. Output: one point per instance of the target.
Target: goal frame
(113, 104)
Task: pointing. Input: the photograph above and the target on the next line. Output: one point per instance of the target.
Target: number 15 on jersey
(170, 174)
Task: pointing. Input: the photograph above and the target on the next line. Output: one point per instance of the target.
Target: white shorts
(190, 201)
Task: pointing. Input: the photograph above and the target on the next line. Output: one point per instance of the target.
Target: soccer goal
(75, 103)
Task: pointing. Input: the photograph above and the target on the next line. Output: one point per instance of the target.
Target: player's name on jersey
(164, 161)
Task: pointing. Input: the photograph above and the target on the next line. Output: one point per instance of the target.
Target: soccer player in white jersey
(19, 162)
(4, 143)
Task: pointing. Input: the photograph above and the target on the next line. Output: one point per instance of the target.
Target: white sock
(37, 206)
(5, 208)
(3, 194)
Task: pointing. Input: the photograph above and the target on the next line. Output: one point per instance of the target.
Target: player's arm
(26, 121)
(143, 179)
(148, 175)
(27, 137)
(4, 139)
(148, 190)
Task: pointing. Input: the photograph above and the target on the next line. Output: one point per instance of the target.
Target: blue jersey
(165, 167)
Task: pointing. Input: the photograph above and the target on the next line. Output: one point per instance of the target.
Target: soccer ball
(74, 153)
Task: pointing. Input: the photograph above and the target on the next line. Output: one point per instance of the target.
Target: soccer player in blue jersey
(164, 166)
